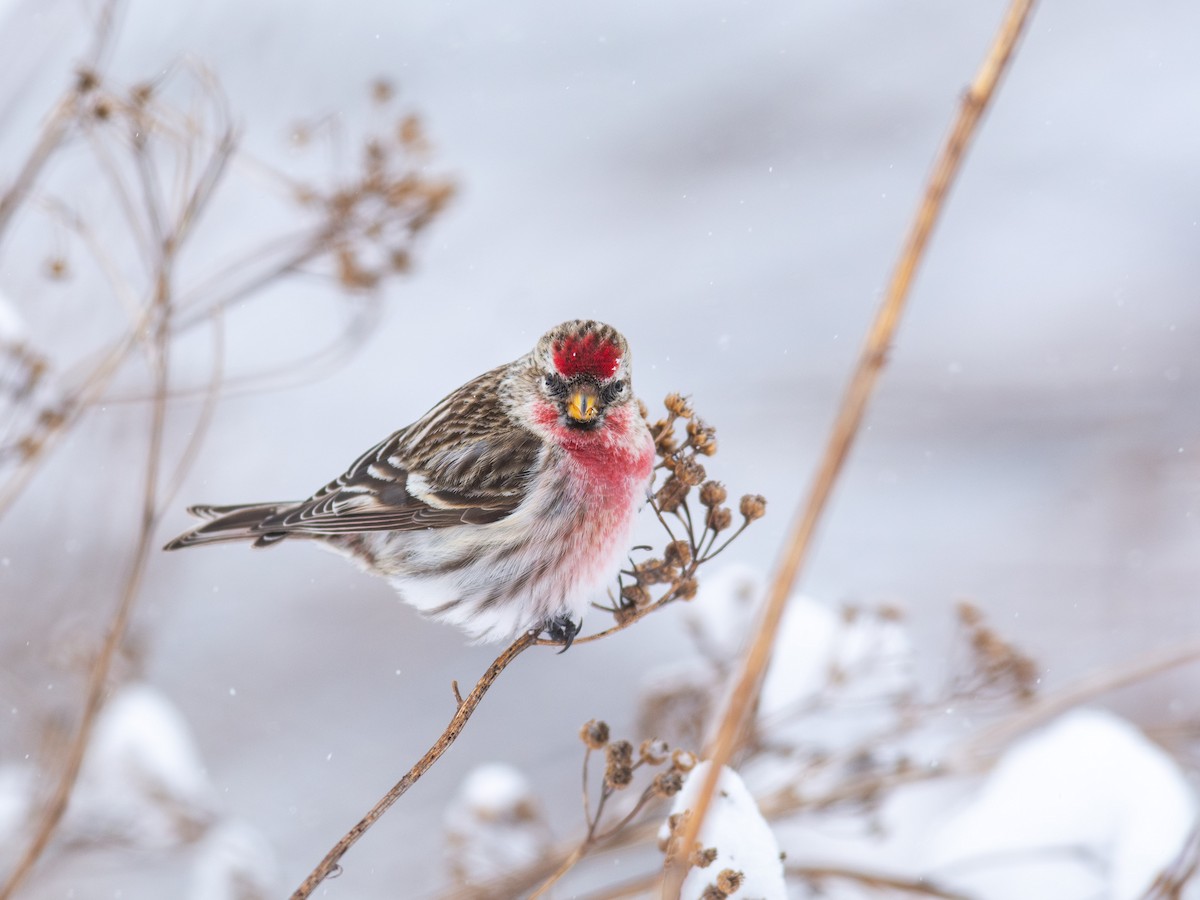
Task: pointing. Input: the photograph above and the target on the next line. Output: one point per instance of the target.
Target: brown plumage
(482, 510)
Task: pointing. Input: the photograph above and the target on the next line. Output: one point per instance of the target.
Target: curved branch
(465, 709)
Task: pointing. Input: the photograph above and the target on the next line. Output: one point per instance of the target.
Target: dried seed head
(713, 493)
(618, 777)
(678, 406)
(594, 733)
(351, 274)
(56, 268)
(690, 472)
(703, 437)
(667, 784)
(686, 589)
(635, 595)
(654, 571)
(399, 260)
(671, 495)
(753, 506)
(410, 133)
(141, 93)
(620, 752)
(619, 771)
(86, 80)
(382, 90)
(624, 614)
(729, 880)
(665, 443)
(645, 412)
(968, 613)
(703, 857)
(677, 553)
(719, 518)
(654, 751)
(683, 760)
(374, 154)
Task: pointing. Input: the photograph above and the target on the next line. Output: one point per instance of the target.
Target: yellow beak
(582, 405)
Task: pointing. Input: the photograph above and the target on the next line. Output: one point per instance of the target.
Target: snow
(12, 324)
(1086, 802)
(494, 824)
(16, 792)
(142, 780)
(234, 862)
(862, 656)
(737, 830)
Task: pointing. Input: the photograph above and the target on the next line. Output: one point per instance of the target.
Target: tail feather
(230, 523)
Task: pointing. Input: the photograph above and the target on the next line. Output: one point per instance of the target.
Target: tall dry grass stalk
(850, 415)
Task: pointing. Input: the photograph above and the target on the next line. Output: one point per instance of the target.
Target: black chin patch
(582, 426)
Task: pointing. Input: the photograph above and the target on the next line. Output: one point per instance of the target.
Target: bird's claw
(562, 630)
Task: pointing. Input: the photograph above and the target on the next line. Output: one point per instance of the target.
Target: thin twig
(1170, 883)
(592, 840)
(874, 880)
(461, 716)
(567, 865)
(850, 415)
(92, 387)
(998, 736)
(54, 132)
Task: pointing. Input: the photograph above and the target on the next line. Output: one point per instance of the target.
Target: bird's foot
(562, 630)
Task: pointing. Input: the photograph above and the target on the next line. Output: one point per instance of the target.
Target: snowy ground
(727, 184)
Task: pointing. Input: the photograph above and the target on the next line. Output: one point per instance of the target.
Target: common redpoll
(504, 508)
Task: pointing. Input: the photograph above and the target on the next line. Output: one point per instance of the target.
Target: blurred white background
(728, 184)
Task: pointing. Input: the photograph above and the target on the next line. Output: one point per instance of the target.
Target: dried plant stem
(58, 124)
(639, 887)
(991, 739)
(92, 387)
(850, 415)
(461, 715)
(592, 840)
(874, 880)
(53, 133)
(97, 685)
(1171, 882)
(567, 864)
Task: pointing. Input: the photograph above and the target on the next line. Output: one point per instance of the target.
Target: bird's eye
(556, 385)
(613, 391)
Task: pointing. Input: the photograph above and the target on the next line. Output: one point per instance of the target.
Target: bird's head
(579, 376)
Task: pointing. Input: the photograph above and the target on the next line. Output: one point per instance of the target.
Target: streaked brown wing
(463, 462)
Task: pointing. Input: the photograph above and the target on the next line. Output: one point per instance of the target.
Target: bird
(504, 509)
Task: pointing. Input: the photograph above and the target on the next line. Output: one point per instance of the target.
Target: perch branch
(462, 713)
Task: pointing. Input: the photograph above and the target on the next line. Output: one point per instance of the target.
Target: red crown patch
(587, 355)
